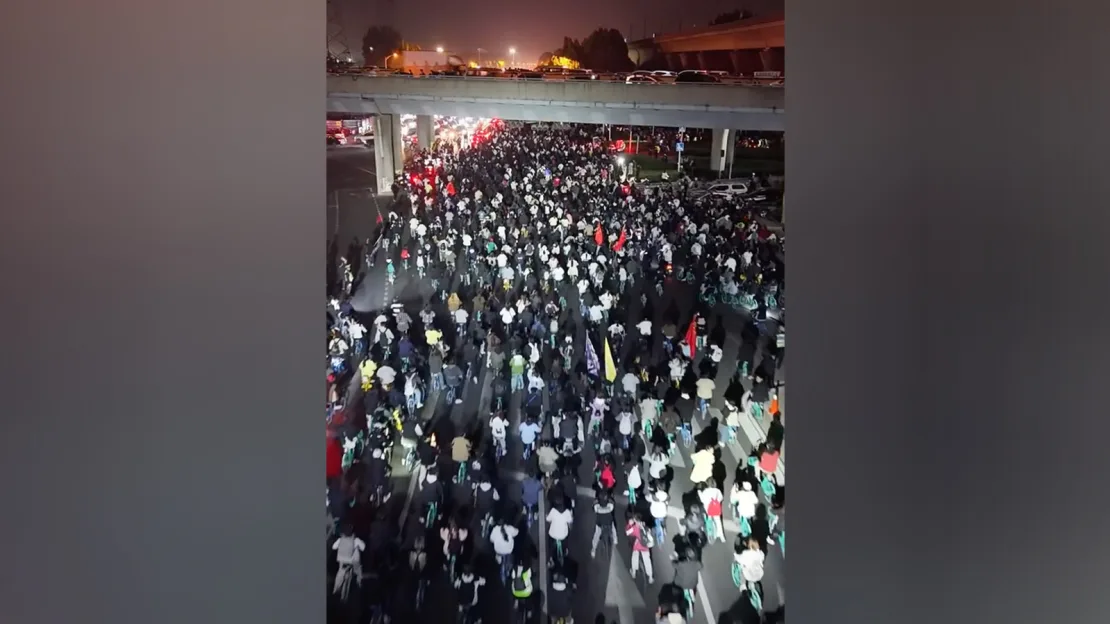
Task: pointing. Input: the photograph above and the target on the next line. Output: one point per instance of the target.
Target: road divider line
(707, 608)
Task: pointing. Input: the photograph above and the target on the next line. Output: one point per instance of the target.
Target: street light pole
(512, 53)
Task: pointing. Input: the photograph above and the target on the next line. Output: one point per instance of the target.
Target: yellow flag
(610, 369)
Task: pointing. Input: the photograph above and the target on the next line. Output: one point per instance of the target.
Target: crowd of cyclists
(526, 264)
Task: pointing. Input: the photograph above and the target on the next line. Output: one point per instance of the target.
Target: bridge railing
(607, 78)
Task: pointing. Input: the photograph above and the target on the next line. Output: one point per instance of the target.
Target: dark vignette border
(948, 277)
(946, 457)
(163, 288)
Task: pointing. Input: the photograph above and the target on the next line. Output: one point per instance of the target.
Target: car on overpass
(696, 76)
(642, 79)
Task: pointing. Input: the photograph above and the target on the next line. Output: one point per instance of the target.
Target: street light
(512, 52)
(439, 49)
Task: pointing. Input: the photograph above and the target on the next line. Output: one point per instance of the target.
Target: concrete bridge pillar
(389, 153)
(737, 65)
(425, 131)
(767, 59)
(700, 56)
(686, 60)
(673, 62)
(722, 150)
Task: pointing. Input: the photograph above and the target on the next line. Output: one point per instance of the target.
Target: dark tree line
(603, 50)
(731, 16)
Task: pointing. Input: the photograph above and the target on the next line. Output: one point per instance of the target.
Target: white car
(727, 188)
(663, 73)
(642, 79)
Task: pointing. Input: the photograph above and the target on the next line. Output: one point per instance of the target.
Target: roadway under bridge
(723, 107)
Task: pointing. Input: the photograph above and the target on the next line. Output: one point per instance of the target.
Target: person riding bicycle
(460, 454)
(521, 584)
(484, 498)
(606, 480)
(672, 601)
(503, 538)
(530, 491)
(378, 472)
(560, 602)
(559, 520)
(499, 427)
(467, 586)
(528, 430)
(604, 519)
(687, 566)
(431, 494)
(454, 538)
(348, 553)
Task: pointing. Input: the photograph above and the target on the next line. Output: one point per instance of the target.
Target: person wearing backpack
(642, 543)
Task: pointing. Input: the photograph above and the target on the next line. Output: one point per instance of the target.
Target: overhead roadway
(577, 101)
(743, 46)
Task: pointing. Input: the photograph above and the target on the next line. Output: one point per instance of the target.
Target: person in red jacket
(334, 459)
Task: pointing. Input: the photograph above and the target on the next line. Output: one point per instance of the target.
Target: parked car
(642, 79)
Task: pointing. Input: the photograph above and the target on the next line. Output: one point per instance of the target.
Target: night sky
(531, 26)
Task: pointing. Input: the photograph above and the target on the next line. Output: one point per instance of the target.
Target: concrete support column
(425, 132)
(700, 56)
(737, 65)
(730, 152)
(389, 153)
(767, 59)
(719, 151)
(673, 62)
(686, 60)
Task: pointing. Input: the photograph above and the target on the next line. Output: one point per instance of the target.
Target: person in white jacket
(744, 503)
(750, 562)
(659, 511)
(703, 465)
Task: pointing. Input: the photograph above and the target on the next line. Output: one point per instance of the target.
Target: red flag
(692, 335)
(599, 236)
(379, 218)
(620, 241)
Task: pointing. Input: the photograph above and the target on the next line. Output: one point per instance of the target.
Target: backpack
(518, 584)
(647, 538)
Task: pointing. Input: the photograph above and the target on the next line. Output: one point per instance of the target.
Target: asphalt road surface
(605, 584)
(352, 205)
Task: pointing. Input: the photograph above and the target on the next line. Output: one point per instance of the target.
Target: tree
(605, 50)
(378, 43)
(731, 16)
(570, 49)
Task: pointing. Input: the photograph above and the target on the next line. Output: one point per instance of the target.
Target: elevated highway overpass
(720, 106)
(740, 47)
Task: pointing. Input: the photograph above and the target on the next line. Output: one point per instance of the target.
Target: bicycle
(687, 435)
(506, 564)
(499, 448)
(560, 553)
(689, 595)
(343, 578)
(421, 589)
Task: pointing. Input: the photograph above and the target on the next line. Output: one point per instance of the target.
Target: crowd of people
(526, 264)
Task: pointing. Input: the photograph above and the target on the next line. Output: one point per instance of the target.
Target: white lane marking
(429, 406)
(542, 524)
(676, 460)
(408, 499)
(707, 608)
